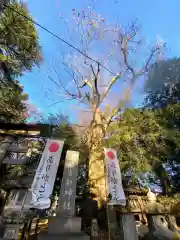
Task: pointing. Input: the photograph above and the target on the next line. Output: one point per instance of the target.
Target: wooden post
(4, 145)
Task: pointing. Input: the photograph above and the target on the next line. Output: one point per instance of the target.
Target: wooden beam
(44, 130)
(18, 148)
(23, 182)
(17, 161)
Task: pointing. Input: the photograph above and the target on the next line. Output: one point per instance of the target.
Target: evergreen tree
(13, 107)
(146, 144)
(165, 101)
(19, 52)
(162, 73)
(18, 39)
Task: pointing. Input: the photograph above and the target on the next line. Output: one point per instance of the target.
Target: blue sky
(157, 18)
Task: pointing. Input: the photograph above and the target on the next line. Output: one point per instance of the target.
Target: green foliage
(19, 52)
(136, 136)
(169, 118)
(12, 103)
(162, 73)
(72, 134)
(169, 200)
(18, 40)
(165, 101)
(62, 129)
(169, 94)
(145, 143)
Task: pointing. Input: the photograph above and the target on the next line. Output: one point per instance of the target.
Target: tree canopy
(13, 108)
(148, 139)
(146, 144)
(19, 40)
(162, 73)
(19, 52)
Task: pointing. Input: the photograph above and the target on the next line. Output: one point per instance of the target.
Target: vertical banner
(113, 178)
(43, 183)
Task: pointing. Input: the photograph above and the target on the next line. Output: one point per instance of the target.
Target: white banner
(113, 178)
(43, 183)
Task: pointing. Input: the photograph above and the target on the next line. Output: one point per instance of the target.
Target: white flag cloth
(43, 183)
(113, 178)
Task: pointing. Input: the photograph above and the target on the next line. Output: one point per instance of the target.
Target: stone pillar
(158, 227)
(171, 222)
(66, 203)
(127, 227)
(113, 223)
(66, 225)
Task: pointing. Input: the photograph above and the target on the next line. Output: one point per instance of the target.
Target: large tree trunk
(97, 183)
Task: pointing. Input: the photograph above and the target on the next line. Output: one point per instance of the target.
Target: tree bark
(96, 174)
(97, 182)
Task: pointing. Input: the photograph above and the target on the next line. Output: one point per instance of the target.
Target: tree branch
(121, 103)
(72, 95)
(75, 82)
(96, 95)
(132, 82)
(124, 41)
(153, 51)
(107, 89)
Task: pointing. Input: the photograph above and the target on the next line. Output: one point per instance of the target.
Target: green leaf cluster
(13, 108)
(19, 52)
(148, 139)
(19, 40)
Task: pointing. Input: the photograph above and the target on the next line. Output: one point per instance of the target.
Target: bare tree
(93, 80)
